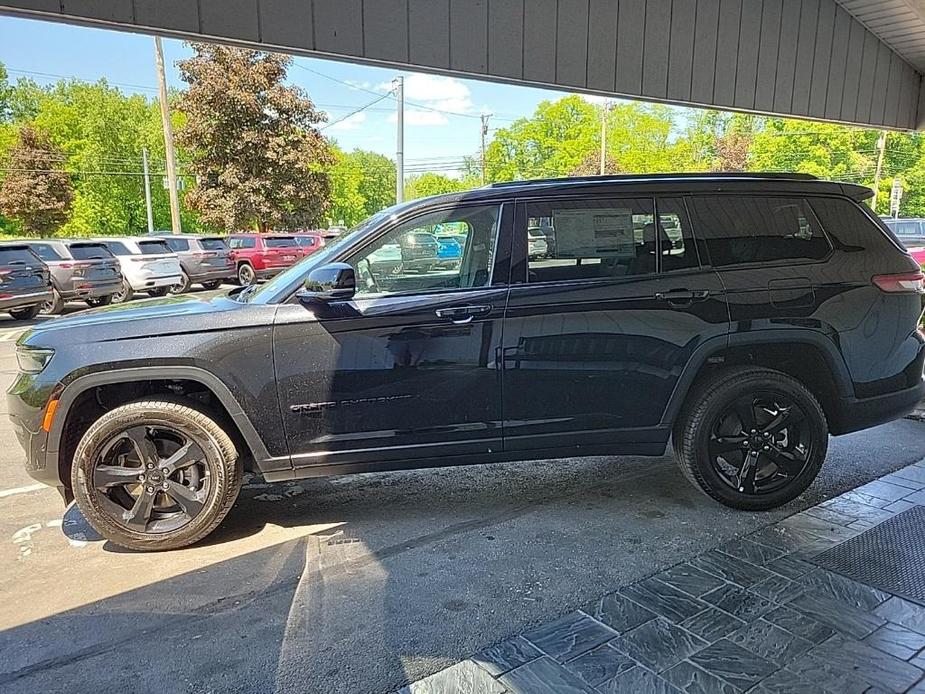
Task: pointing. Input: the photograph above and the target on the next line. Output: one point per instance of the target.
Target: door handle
(683, 296)
(462, 314)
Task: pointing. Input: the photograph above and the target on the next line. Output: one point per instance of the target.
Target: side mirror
(332, 282)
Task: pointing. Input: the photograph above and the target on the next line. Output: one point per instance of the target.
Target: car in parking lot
(449, 251)
(911, 233)
(536, 243)
(147, 265)
(25, 282)
(261, 256)
(309, 241)
(80, 271)
(419, 251)
(779, 311)
(204, 260)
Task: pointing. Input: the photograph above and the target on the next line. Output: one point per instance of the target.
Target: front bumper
(26, 400)
(27, 299)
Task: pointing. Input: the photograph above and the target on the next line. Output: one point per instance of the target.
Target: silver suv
(204, 260)
(80, 271)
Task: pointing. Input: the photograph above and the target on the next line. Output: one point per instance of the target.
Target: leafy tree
(253, 141)
(427, 184)
(36, 191)
(362, 184)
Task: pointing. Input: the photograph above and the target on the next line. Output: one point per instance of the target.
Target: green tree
(427, 184)
(36, 191)
(253, 141)
(362, 183)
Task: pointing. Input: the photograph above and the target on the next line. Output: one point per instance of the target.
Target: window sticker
(594, 233)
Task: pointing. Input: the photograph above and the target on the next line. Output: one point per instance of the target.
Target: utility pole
(485, 117)
(168, 137)
(399, 84)
(144, 163)
(881, 147)
(605, 110)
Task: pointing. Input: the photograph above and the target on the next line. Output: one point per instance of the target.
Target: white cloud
(420, 117)
(435, 92)
(356, 84)
(353, 122)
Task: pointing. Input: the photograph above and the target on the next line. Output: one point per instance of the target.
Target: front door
(601, 323)
(408, 368)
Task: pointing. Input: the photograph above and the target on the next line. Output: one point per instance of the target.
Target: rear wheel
(25, 313)
(100, 301)
(55, 305)
(124, 294)
(155, 474)
(246, 275)
(752, 438)
(212, 284)
(157, 291)
(183, 285)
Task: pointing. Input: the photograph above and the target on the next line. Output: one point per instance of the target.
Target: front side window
(241, 242)
(742, 229)
(451, 249)
(591, 239)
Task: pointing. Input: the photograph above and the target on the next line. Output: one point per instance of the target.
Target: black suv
(742, 317)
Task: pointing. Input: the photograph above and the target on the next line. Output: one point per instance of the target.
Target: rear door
(280, 251)
(599, 328)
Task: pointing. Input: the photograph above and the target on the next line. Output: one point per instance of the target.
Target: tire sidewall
(246, 269)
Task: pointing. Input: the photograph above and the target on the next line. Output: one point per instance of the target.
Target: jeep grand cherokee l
(743, 318)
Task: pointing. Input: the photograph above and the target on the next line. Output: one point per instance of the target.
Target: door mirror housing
(331, 282)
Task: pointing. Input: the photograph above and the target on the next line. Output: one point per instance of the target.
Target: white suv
(148, 265)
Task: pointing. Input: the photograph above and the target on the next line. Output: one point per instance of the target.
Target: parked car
(745, 341)
(536, 244)
(309, 241)
(25, 282)
(911, 233)
(449, 252)
(385, 261)
(261, 256)
(80, 271)
(418, 251)
(147, 265)
(204, 260)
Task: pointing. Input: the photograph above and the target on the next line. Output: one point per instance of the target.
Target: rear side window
(677, 250)
(177, 245)
(153, 247)
(279, 242)
(741, 229)
(45, 252)
(848, 226)
(89, 251)
(242, 242)
(213, 244)
(16, 256)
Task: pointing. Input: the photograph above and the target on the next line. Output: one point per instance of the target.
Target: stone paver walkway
(753, 615)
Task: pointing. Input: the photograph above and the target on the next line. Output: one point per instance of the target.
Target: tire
(246, 275)
(157, 292)
(124, 294)
(25, 313)
(714, 444)
(182, 287)
(212, 284)
(55, 306)
(169, 421)
(100, 301)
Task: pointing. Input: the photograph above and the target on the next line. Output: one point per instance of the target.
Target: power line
(353, 113)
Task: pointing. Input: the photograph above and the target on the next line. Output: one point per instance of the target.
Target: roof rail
(629, 177)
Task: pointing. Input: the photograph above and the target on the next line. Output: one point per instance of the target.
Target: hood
(150, 317)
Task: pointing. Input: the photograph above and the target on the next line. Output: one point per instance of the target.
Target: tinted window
(9, 256)
(153, 247)
(907, 228)
(279, 242)
(213, 244)
(89, 251)
(45, 252)
(241, 242)
(677, 250)
(751, 229)
(307, 241)
(847, 224)
(118, 248)
(177, 245)
(590, 239)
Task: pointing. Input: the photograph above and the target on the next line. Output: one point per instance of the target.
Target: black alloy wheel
(246, 275)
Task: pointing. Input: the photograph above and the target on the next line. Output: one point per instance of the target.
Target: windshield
(266, 293)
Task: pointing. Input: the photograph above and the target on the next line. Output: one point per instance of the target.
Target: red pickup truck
(261, 256)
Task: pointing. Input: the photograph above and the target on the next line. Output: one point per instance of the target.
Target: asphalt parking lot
(355, 584)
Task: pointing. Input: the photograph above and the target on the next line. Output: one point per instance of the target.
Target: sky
(435, 139)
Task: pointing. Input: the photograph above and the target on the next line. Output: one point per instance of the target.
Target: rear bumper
(90, 290)
(854, 414)
(139, 284)
(25, 299)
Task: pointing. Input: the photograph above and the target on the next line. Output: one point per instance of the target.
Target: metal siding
(681, 54)
(469, 24)
(179, 15)
(505, 38)
(906, 97)
(786, 56)
(108, 10)
(572, 43)
(40, 5)
(920, 112)
(655, 56)
(822, 58)
(703, 68)
(540, 19)
(282, 22)
(849, 101)
(630, 34)
(768, 48)
(891, 111)
(866, 79)
(429, 32)
(385, 29)
(836, 84)
(602, 44)
(881, 84)
(338, 28)
(727, 48)
(236, 19)
(806, 53)
(747, 58)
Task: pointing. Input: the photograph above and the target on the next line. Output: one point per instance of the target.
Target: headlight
(31, 360)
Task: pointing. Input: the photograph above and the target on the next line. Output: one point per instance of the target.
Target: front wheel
(751, 438)
(25, 313)
(156, 474)
(246, 275)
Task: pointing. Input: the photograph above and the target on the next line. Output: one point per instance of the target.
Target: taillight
(907, 282)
